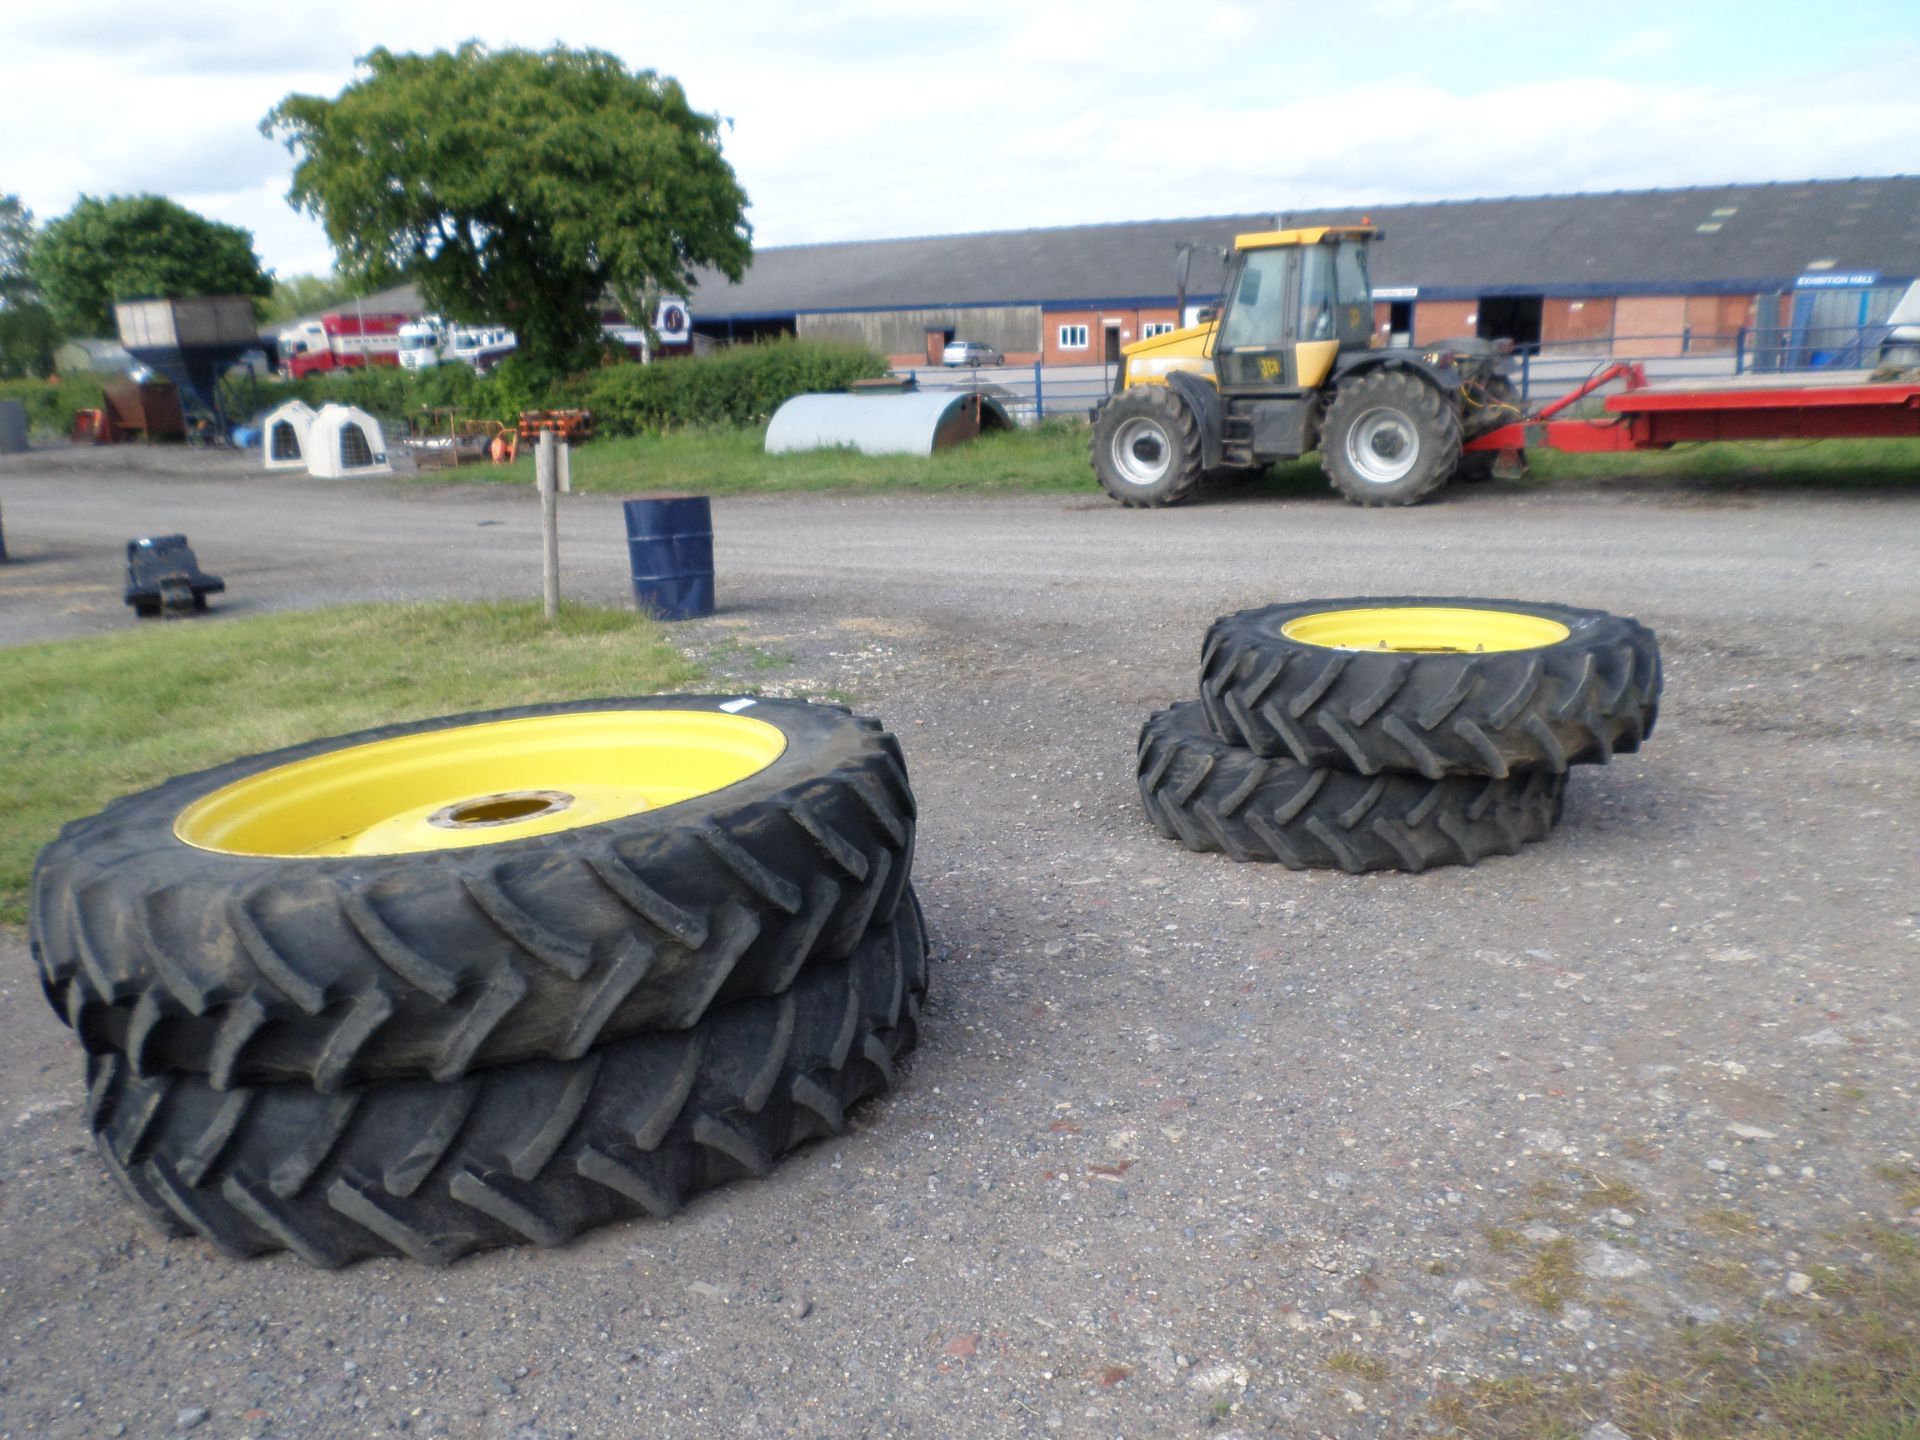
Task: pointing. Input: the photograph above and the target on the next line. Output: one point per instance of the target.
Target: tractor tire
(1389, 438)
(538, 1151)
(1497, 404)
(1146, 447)
(1432, 687)
(253, 962)
(1212, 796)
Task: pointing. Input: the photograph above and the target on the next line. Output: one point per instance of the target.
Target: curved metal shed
(917, 423)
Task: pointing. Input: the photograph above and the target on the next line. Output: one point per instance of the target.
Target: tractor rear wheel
(1390, 437)
(1146, 447)
(1497, 403)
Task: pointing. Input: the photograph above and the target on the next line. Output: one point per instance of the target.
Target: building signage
(1833, 280)
(1396, 292)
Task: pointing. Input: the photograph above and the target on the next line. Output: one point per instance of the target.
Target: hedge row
(51, 404)
(741, 385)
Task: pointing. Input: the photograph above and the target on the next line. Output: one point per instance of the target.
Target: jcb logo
(1269, 368)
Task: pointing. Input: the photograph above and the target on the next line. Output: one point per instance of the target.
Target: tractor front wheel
(1146, 447)
(1390, 438)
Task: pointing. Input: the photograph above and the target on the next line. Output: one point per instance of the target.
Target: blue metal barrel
(670, 545)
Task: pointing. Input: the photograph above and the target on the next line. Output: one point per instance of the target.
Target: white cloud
(867, 118)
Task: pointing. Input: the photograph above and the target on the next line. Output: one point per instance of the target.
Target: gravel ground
(1188, 1145)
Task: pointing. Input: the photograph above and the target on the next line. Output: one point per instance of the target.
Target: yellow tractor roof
(1312, 235)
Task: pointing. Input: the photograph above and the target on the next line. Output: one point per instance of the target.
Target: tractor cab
(1293, 300)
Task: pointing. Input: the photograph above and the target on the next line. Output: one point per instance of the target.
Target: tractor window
(1316, 293)
(1350, 285)
(1255, 319)
(1336, 302)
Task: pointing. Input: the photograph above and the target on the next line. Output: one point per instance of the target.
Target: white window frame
(1151, 328)
(1074, 337)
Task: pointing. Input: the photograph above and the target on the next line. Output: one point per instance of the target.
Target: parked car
(971, 352)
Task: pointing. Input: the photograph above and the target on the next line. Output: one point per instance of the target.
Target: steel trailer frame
(1656, 417)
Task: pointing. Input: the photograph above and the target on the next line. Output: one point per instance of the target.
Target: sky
(857, 119)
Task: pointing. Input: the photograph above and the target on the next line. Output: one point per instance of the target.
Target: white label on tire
(734, 707)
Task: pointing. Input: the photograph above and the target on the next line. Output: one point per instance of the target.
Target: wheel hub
(1383, 446)
(1142, 453)
(481, 784)
(1425, 629)
(504, 809)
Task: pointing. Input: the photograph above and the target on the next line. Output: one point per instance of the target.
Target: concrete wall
(901, 335)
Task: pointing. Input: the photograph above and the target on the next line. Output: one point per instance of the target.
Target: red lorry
(345, 341)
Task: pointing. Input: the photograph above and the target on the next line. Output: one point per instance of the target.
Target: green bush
(741, 385)
(386, 391)
(51, 404)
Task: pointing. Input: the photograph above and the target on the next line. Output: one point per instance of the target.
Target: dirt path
(1186, 1141)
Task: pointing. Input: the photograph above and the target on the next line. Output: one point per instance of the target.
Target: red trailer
(1819, 405)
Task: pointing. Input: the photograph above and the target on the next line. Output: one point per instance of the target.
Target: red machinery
(341, 342)
(1822, 405)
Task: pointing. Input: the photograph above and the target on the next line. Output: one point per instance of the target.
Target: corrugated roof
(1699, 238)
(1002, 267)
(1631, 238)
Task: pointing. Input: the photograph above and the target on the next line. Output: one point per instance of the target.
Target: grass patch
(82, 721)
(1353, 1364)
(1731, 1223)
(1051, 457)
(1551, 1278)
(1906, 1178)
(1766, 464)
(1849, 1369)
(1607, 1192)
(1504, 1240)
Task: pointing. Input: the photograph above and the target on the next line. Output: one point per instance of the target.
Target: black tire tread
(1165, 405)
(332, 973)
(1593, 696)
(1435, 414)
(537, 1151)
(1215, 797)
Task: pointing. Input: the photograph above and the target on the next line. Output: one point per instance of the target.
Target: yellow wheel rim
(1425, 630)
(481, 784)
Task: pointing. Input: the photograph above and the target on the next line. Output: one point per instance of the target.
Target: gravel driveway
(1188, 1145)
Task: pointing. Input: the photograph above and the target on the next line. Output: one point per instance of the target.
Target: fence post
(544, 467)
(1039, 395)
(1740, 351)
(1526, 379)
(564, 458)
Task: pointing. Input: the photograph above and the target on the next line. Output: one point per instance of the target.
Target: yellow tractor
(1287, 365)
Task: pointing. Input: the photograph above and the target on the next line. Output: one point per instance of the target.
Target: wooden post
(544, 468)
(566, 468)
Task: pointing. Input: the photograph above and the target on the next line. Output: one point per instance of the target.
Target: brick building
(1646, 272)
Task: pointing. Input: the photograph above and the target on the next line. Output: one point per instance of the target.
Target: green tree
(135, 247)
(27, 332)
(518, 187)
(298, 295)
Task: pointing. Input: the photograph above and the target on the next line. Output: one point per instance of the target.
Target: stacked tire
(487, 979)
(1394, 734)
